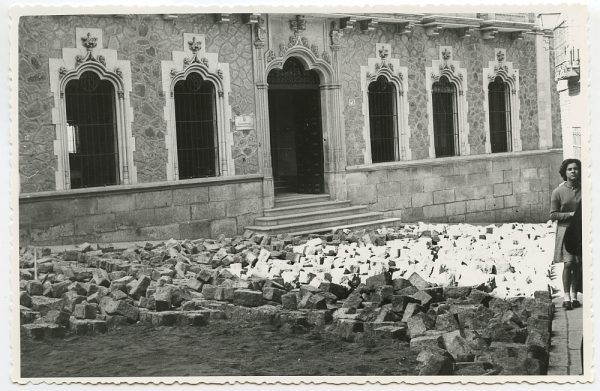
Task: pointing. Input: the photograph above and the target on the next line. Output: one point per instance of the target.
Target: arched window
(196, 126)
(500, 121)
(91, 131)
(445, 118)
(383, 120)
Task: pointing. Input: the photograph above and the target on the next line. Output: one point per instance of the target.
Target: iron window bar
(445, 118)
(196, 126)
(383, 121)
(92, 131)
(499, 116)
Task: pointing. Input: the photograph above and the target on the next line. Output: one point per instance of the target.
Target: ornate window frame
(446, 66)
(194, 58)
(384, 65)
(89, 55)
(503, 69)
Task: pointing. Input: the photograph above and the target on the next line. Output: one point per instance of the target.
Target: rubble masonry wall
(186, 209)
(504, 187)
(145, 41)
(416, 51)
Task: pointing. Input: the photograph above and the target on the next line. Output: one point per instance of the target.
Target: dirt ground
(219, 349)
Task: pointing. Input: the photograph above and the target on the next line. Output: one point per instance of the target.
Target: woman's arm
(555, 204)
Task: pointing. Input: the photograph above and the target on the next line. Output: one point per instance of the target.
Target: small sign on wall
(244, 122)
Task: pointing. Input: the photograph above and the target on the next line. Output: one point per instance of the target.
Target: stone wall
(190, 209)
(476, 189)
(555, 103)
(144, 40)
(416, 52)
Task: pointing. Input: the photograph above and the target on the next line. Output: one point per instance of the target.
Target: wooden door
(309, 142)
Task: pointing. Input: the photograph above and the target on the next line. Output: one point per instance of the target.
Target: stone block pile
(472, 300)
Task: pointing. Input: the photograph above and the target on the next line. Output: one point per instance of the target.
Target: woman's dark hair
(563, 167)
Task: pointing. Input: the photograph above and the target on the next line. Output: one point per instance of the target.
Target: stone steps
(317, 225)
(311, 215)
(304, 208)
(301, 214)
(299, 199)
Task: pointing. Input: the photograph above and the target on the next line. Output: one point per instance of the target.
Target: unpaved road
(219, 349)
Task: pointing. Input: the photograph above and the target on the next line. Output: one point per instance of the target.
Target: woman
(573, 244)
(563, 204)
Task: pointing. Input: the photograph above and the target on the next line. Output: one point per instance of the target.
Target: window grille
(499, 108)
(445, 118)
(196, 125)
(91, 131)
(383, 121)
(577, 141)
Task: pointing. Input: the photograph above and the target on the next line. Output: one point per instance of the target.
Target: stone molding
(384, 65)
(90, 55)
(326, 65)
(138, 188)
(449, 160)
(195, 59)
(447, 66)
(300, 44)
(503, 69)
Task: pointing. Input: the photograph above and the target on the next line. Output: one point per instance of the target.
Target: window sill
(141, 187)
(444, 160)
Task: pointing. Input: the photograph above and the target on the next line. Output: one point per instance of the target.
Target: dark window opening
(196, 124)
(383, 121)
(445, 118)
(91, 131)
(499, 106)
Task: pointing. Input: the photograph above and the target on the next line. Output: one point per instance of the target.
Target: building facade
(569, 36)
(139, 127)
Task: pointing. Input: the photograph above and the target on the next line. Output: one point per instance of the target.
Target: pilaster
(261, 92)
(542, 57)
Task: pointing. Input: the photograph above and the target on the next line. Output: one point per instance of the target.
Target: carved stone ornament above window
(89, 42)
(448, 67)
(298, 24)
(293, 42)
(503, 69)
(500, 55)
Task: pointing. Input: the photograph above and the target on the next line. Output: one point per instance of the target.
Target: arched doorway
(295, 127)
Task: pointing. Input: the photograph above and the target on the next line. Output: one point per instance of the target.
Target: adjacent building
(139, 127)
(568, 50)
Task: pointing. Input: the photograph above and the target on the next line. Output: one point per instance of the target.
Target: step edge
(308, 205)
(337, 227)
(279, 226)
(313, 213)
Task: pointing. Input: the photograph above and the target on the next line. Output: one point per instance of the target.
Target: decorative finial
(446, 54)
(383, 53)
(298, 24)
(194, 45)
(89, 42)
(500, 55)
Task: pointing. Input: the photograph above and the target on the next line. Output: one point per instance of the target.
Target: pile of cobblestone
(472, 300)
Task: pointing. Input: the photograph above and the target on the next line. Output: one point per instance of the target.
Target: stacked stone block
(456, 329)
